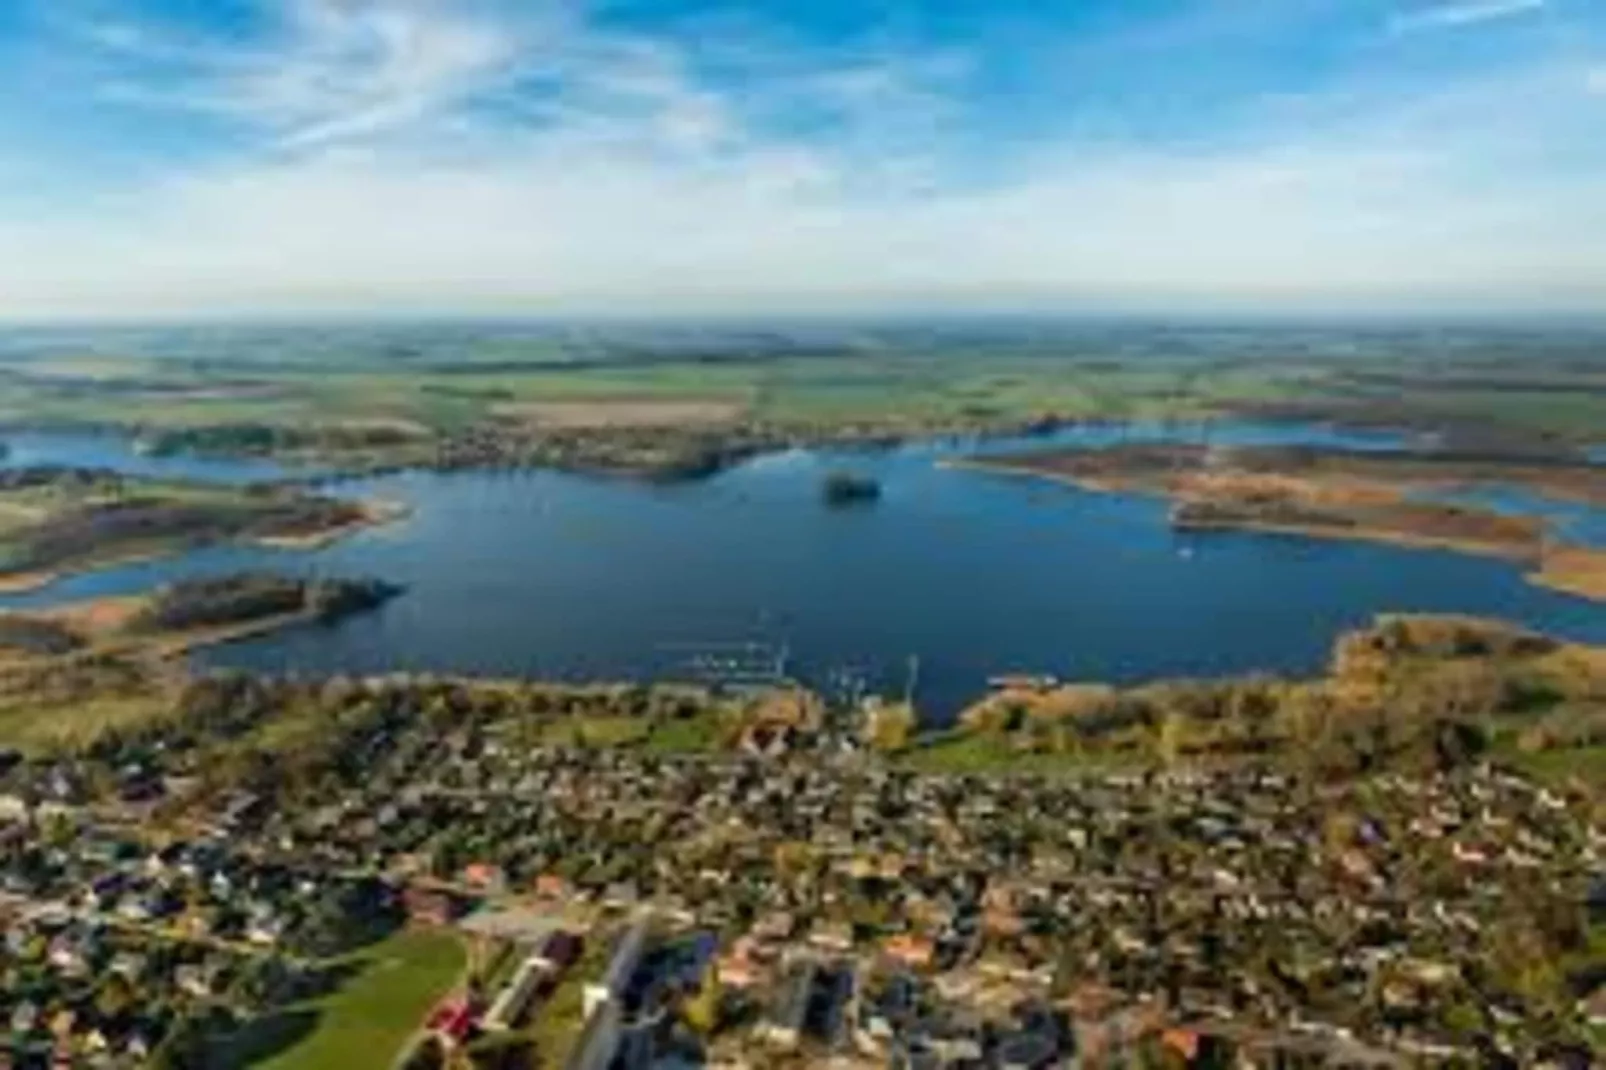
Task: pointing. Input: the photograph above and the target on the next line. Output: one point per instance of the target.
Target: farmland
(667, 400)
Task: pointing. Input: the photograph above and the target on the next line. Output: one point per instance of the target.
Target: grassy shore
(71, 673)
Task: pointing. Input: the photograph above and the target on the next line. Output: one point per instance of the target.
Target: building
(452, 1021)
(598, 1042)
(627, 956)
(783, 1029)
(430, 908)
(514, 999)
(555, 953)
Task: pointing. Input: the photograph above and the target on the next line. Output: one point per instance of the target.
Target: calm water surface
(976, 574)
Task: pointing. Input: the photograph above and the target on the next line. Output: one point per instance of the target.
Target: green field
(960, 752)
(784, 390)
(358, 398)
(370, 1017)
(1586, 765)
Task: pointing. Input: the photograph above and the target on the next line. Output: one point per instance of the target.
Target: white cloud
(334, 70)
(423, 156)
(1595, 80)
(1464, 13)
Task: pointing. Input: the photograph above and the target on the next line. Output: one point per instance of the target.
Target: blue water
(976, 574)
(113, 451)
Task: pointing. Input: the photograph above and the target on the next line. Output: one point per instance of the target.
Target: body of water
(974, 574)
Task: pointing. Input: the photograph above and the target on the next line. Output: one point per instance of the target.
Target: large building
(627, 955)
(599, 1040)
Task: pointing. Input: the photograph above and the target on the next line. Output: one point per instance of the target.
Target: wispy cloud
(1457, 13)
(342, 72)
(486, 154)
(331, 70)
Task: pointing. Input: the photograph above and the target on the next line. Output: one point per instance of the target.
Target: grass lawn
(701, 734)
(366, 1021)
(1584, 764)
(966, 752)
(604, 731)
(35, 727)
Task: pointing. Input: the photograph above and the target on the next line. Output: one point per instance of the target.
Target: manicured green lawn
(367, 1020)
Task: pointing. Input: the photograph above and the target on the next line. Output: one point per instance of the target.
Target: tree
(891, 726)
(702, 1011)
(114, 997)
(1168, 737)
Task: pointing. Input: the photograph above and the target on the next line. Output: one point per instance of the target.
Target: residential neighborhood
(622, 908)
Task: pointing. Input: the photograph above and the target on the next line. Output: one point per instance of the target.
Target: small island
(848, 488)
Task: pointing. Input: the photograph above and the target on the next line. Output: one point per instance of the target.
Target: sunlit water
(972, 574)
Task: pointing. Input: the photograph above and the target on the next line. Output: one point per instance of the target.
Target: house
(777, 926)
(915, 952)
(428, 908)
(129, 964)
(192, 979)
(484, 876)
(509, 1007)
(833, 937)
(1185, 1042)
(452, 1021)
(736, 968)
(66, 954)
(24, 1017)
(265, 930)
(244, 810)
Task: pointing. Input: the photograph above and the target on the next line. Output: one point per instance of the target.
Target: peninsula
(58, 520)
(1393, 496)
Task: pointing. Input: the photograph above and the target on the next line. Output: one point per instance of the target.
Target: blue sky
(178, 157)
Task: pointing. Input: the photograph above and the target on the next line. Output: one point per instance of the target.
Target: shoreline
(376, 513)
(98, 622)
(1382, 536)
(1587, 582)
(1580, 572)
(27, 582)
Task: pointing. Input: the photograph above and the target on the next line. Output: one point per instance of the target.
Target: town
(170, 897)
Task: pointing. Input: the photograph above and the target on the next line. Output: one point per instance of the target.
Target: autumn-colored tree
(703, 1010)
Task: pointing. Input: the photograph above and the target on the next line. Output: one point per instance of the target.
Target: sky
(234, 157)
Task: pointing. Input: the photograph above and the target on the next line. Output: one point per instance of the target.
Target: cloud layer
(414, 155)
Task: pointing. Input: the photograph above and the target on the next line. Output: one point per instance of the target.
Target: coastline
(1573, 570)
(376, 513)
(98, 621)
(26, 582)
(1582, 572)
